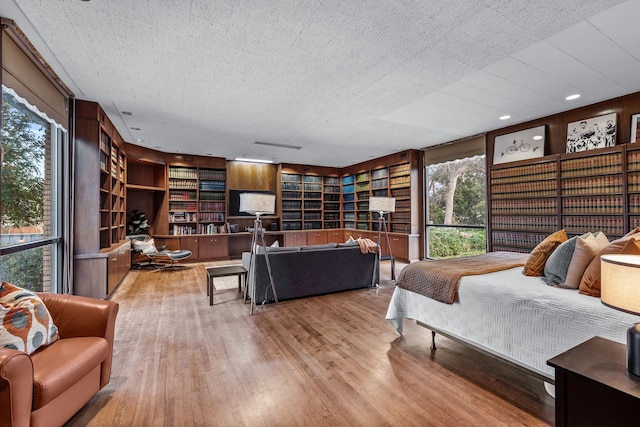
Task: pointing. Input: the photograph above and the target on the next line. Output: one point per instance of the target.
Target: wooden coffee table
(230, 270)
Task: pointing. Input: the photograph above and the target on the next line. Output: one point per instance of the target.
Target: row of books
(291, 215)
(186, 173)
(595, 165)
(525, 173)
(397, 170)
(182, 195)
(310, 204)
(212, 185)
(212, 174)
(182, 184)
(183, 206)
(522, 206)
(592, 185)
(401, 181)
(212, 216)
(517, 239)
(533, 223)
(610, 225)
(182, 217)
(213, 228)
(593, 205)
(212, 206)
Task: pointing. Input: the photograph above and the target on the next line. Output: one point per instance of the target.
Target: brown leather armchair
(49, 386)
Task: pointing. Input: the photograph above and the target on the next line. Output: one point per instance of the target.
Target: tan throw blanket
(367, 245)
(439, 279)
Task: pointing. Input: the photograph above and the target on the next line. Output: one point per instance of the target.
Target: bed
(515, 317)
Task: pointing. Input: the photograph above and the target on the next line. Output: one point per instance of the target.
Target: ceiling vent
(273, 144)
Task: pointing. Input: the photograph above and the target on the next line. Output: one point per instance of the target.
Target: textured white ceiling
(345, 80)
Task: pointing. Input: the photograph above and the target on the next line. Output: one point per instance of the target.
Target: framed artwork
(588, 134)
(635, 129)
(521, 145)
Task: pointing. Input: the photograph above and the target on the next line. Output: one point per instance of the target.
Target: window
(456, 208)
(31, 195)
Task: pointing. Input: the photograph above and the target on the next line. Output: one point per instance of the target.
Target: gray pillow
(557, 266)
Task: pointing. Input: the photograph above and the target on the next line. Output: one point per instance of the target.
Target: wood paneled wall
(556, 139)
(251, 176)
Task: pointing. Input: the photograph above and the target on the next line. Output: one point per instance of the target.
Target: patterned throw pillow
(26, 324)
(539, 255)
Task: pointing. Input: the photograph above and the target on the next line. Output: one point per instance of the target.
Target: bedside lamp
(620, 289)
(383, 205)
(258, 204)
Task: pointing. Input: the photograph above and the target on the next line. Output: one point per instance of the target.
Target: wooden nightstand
(593, 386)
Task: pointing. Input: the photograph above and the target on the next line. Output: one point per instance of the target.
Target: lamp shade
(382, 204)
(257, 203)
(620, 282)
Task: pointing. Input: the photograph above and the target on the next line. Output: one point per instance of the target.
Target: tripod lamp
(383, 206)
(620, 290)
(258, 204)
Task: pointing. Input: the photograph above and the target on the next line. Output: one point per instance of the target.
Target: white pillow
(147, 247)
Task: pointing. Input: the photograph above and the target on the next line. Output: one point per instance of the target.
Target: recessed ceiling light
(245, 159)
(572, 97)
(127, 113)
(135, 128)
(505, 117)
(537, 137)
(139, 140)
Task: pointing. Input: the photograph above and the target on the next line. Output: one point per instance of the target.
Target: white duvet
(515, 317)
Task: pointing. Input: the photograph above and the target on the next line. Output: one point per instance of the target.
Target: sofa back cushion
(25, 322)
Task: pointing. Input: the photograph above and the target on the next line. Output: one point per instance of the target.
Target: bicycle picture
(523, 147)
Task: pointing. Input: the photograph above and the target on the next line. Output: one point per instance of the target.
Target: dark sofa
(311, 270)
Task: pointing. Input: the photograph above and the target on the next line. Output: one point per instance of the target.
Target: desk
(593, 386)
(231, 270)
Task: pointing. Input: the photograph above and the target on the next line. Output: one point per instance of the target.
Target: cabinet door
(170, 243)
(399, 246)
(295, 238)
(336, 236)
(113, 271)
(190, 243)
(124, 261)
(317, 237)
(213, 247)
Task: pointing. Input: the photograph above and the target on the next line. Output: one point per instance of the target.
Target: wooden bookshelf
(596, 190)
(197, 200)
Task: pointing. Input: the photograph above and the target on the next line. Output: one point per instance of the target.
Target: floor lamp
(258, 204)
(383, 206)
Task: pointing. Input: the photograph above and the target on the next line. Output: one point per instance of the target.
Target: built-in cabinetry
(633, 185)
(524, 205)
(597, 190)
(100, 261)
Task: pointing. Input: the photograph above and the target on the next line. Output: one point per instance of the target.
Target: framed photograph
(521, 145)
(588, 134)
(635, 129)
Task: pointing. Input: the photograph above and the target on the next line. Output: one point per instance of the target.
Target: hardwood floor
(328, 360)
